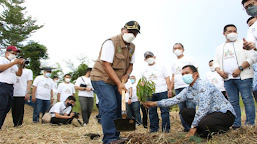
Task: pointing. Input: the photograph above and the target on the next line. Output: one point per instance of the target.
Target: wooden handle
(123, 103)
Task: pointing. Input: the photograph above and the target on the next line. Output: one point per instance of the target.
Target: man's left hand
(191, 132)
(236, 72)
(248, 45)
(27, 96)
(169, 93)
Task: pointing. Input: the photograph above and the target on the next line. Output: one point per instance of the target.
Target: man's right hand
(150, 104)
(33, 99)
(223, 74)
(19, 61)
(248, 45)
(121, 87)
(72, 115)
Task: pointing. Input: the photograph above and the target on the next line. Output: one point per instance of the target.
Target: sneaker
(84, 125)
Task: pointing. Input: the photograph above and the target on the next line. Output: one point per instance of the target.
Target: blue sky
(78, 28)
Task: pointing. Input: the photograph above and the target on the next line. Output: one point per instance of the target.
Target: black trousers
(18, 110)
(145, 115)
(6, 97)
(212, 123)
(59, 121)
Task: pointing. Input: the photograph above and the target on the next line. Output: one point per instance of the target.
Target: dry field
(31, 133)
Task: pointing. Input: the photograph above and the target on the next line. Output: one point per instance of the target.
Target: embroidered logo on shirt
(228, 54)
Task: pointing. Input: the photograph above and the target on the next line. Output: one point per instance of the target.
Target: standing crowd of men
(206, 106)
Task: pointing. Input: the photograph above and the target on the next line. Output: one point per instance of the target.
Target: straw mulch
(31, 133)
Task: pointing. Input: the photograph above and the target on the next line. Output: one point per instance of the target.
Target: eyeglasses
(249, 5)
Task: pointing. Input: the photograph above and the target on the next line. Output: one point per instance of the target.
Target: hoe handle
(123, 104)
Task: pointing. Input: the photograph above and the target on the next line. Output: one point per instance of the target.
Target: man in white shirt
(42, 94)
(234, 65)
(21, 92)
(61, 111)
(250, 22)
(177, 82)
(55, 89)
(8, 73)
(86, 95)
(251, 8)
(160, 76)
(214, 78)
(132, 103)
(115, 62)
(65, 89)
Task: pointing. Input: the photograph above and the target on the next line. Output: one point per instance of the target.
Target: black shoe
(235, 127)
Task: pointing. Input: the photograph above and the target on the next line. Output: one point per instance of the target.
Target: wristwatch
(130, 98)
(240, 68)
(192, 126)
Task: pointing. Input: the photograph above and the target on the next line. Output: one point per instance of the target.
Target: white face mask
(212, 68)
(67, 79)
(11, 57)
(232, 37)
(150, 60)
(178, 52)
(128, 37)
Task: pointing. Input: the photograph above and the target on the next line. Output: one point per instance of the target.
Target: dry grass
(31, 133)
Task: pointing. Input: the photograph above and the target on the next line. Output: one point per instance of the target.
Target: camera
(26, 60)
(76, 115)
(83, 85)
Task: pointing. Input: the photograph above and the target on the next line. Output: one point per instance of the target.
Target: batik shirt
(205, 96)
(255, 76)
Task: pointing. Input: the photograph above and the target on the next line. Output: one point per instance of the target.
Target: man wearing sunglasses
(8, 73)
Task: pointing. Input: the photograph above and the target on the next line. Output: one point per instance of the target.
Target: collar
(195, 85)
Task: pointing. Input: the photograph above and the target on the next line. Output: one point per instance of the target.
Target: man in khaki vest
(115, 62)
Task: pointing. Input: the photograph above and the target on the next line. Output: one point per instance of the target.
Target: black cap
(48, 69)
(132, 25)
(148, 53)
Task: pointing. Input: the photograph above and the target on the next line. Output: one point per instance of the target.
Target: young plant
(145, 89)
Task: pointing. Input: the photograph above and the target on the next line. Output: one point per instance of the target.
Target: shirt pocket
(119, 61)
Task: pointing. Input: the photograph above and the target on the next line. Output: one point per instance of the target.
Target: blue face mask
(252, 11)
(132, 80)
(48, 75)
(188, 78)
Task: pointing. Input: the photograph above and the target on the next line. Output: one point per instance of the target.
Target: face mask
(67, 79)
(232, 37)
(132, 80)
(128, 37)
(69, 104)
(212, 68)
(11, 57)
(150, 60)
(48, 75)
(252, 11)
(188, 78)
(178, 52)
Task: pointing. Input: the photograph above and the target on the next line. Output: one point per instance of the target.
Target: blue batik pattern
(255, 76)
(206, 96)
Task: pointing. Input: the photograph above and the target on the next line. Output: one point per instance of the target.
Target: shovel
(124, 123)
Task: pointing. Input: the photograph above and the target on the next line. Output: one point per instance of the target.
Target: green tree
(57, 71)
(35, 52)
(15, 26)
(80, 71)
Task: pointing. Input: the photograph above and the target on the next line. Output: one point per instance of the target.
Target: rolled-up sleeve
(181, 97)
(251, 57)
